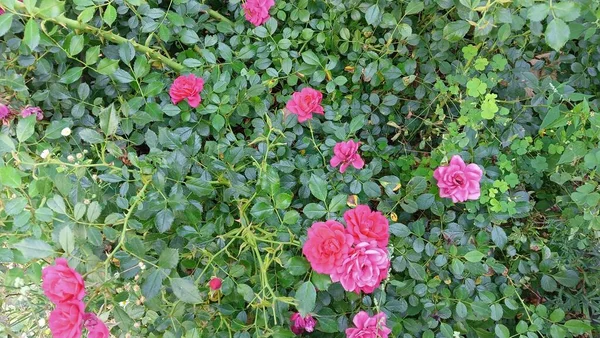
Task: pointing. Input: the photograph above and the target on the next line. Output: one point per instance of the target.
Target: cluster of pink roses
(66, 289)
(355, 255)
(257, 11)
(6, 114)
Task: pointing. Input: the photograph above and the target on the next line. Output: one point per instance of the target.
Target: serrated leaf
(164, 219)
(318, 187)
(557, 34)
(5, 23)
(306, 298)
(34, 248)
(32, 34)
(168, 258)
(186, 290)
(26, 127)
(66, 239)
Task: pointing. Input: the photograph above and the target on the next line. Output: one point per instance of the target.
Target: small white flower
(86, 201)
(137, 325)
(71, 158)
(45, 153)
(79, 156)
(41, 322)
(66, 132)
(142, 265)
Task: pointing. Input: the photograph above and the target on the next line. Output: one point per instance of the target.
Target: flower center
(459, 178)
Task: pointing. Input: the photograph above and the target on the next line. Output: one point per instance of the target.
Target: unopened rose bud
(79, 156)
(65, 132)
(71, 158)
(45, 153)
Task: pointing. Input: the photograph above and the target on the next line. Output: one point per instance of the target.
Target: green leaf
(314, 211)
(66, 239)
(318, 187)
(153, 284)
(557, 34)
(496, 312)
(5, 23)
(186, 291)
(10, 177)
(262, 210)
(32, 34)
(52, 8)
(502, 331)
(107, 66)
(71, 75)
(548, 283)
(321, 281)
(566, 10)
(373, 14)
(568, 278)
(416, 271)
(110, 15)
(474, 256)
(538, 12)
(218, 122)
(455, 31)
(25, 127)
(76, 44)
(199, 186)
(414, 7)
(297, 266)
(109, 121)
(557, 315)
(246, 292)
(306, 298)
(577, 326)
(310, 58)
(164, 219)
(90, 136)
(357, 123)
(33, 248)
(168, 258)
(552, 115)
(93, 211)
(461, 310)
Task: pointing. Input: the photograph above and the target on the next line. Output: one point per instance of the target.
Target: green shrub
(148, 200)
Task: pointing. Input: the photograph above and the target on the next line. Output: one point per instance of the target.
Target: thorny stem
(110, 36)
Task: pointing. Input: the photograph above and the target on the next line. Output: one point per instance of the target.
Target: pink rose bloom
(32, 110)
(95, 327)
(187, 88)
(66, 319)
(215, 283)
(364, 269)
(346, 153)
(300, 324)
(4, 111)
(61, 283)
(368, 327)
(458, 181)
(257, 11)
(366, 225)
(305, 103)
(327, 246)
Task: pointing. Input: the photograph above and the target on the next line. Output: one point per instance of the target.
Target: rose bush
(342, 168)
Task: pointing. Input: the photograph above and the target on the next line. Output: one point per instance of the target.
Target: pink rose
(459, 181)
(364, 268)
(368, 327)
(187, 88)
(215, 283)
(366, 225)
(327, 246)
(346, 153)
(61, 283)
(300, 324)
(4, 111)
(305, 103)
(32, 110)
(66, 319)
(257, 11)
(96, 327)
